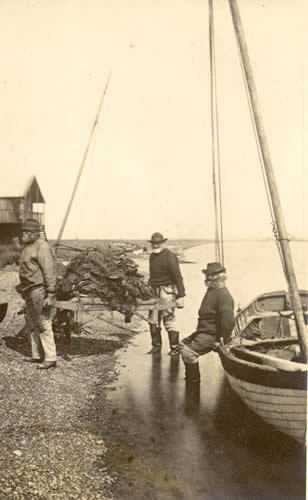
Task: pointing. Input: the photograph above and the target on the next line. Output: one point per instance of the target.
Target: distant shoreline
(185, 242)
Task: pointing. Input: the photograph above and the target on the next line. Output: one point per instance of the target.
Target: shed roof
(19, 186)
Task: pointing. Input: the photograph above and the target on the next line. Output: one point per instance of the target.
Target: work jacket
(165, 270)
(216, 316)
(37, 267)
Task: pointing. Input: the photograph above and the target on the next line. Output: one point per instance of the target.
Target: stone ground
(54, 424)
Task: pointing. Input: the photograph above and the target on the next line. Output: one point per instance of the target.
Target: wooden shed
(20, 199)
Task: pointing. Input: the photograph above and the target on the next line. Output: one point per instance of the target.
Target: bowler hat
(157, 238)
(214, 268)
(31, 225)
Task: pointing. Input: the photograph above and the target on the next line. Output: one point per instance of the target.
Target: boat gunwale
(259, 374)
(274, 293)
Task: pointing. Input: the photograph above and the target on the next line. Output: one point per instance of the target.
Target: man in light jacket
(37, 274)
(167, 282)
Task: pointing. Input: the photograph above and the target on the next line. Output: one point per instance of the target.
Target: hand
(217, 344)
(18, 289)
(50, 301)
(179, 303)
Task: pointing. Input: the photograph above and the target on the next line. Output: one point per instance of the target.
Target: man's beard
(30, 239)
(216, 283)
(156, 250)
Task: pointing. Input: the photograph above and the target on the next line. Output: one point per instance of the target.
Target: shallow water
(204, 444)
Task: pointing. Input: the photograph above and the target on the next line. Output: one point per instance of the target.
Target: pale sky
(149, 166)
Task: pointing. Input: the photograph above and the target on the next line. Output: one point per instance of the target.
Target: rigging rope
(219, 240)
(275, 229)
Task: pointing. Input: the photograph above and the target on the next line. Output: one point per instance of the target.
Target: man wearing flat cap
(215, 321)
(37, 274)
(167, 282)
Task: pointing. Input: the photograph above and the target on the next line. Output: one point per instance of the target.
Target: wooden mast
(218, 242)
(282, 234)
(81, 166)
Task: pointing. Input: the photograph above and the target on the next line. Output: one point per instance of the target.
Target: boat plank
(282, 417)
(286, 424)
(285, 417)
(267, 397)
(297, 412)
(285, 412)
(276, 391)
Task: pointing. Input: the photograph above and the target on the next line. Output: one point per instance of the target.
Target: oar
(3, 310)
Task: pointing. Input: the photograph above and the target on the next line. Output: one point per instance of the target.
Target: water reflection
(202, 435)
(192, 399)
(174, 368)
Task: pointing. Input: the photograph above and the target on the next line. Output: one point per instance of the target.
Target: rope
(269, 201)
(219, 247)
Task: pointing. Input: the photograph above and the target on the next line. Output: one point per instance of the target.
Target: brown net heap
(107, 274)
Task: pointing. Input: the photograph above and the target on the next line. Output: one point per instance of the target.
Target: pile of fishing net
(107, 274)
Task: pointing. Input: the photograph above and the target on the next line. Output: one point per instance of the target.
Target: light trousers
(40, 325)
(167, 316)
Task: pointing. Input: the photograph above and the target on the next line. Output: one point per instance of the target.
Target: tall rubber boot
(192, 372)
(174, 342)
(156, 339)
(192, 399)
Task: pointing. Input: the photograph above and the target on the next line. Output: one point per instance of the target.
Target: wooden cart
(78, 307)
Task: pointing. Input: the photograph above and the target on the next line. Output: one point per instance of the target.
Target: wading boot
(192, 372)
(156, 339)
(174, 343)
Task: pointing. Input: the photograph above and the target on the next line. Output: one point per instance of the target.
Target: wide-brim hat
(31, 225)
(214, 268)
(157, 238)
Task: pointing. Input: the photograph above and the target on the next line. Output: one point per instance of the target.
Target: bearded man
(167, 283)
(37, 274)
(215, 321)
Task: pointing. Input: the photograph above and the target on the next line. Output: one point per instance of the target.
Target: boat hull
(278, 397)
(284, 409)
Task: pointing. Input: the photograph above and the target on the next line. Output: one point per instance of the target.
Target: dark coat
(165, 270)
(216, 314)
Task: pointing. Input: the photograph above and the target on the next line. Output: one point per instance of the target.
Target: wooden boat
(266, 373)
(266, 360)
(269, 315)
(277, 394)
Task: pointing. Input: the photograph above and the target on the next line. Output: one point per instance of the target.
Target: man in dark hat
(167, 282)
(37, 274)
(215, 321)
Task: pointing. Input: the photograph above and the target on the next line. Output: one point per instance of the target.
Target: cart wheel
(69, 326)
